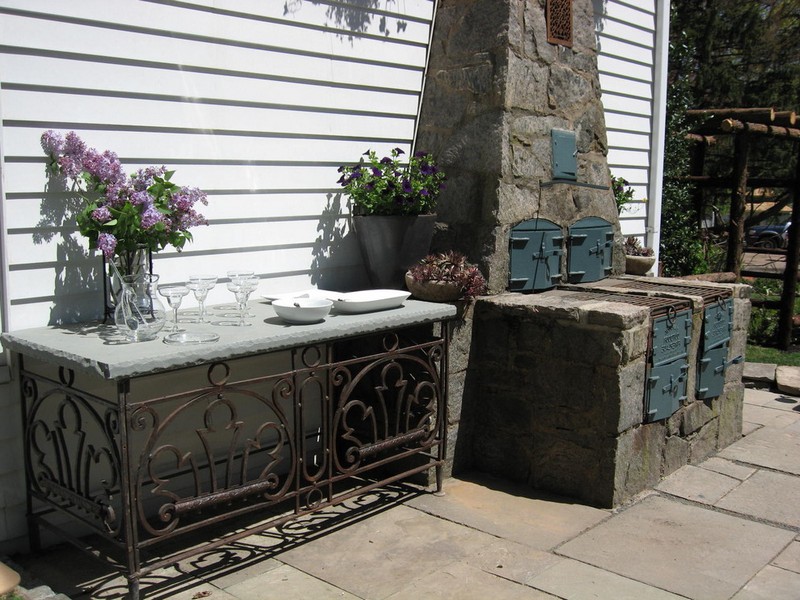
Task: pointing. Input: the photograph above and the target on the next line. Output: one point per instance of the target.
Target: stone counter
(100, 350)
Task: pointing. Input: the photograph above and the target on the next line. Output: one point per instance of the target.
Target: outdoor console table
(143, 443)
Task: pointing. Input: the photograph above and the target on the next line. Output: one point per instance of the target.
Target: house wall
(631, 77)
(256, 102)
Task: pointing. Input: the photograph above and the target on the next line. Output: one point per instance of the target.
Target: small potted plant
(638, 259)
(445, 277)
(393, 210)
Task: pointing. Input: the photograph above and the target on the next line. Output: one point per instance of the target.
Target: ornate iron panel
(346, 417)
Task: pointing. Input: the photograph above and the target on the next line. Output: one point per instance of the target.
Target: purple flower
(101, 214)
(407, 188)
(104, 167)
(376, 172)
(386, 160)
(52, 142)
(150, 217)
(107, 243)
(398, 151)
(144, 178)
(141, 198)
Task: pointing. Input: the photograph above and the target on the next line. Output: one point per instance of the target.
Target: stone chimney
(495, 91)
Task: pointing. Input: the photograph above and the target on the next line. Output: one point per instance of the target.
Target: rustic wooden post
(738, 198)
(790, 272)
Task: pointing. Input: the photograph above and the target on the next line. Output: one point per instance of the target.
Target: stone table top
(101, 350)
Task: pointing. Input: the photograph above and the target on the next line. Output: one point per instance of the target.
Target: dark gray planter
(391, 244)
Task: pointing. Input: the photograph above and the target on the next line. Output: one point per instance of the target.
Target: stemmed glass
(200, 285)
(235, 276)
(242, 288)
(174, 295)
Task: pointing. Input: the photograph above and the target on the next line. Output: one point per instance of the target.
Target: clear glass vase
(132, 263)
(139, 314)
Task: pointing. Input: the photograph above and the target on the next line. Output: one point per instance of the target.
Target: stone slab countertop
(100, 350)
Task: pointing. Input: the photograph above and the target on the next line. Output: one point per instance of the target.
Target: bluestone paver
(688, 550)
(767, 447)
(767, 495)
(726, 467)
(511, 511)
(789, 559)
(578, 581)
(698, 484)
(285, 583)
(771, 583)
(787, 380)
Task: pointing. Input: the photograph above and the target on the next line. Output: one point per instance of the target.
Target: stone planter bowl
(433, 291)
(639, 265)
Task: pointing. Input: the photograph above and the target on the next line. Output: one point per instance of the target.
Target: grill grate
(708, 294)
(658, 304)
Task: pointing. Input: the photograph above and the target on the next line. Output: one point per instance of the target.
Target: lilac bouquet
(123, 214)
(385, 187)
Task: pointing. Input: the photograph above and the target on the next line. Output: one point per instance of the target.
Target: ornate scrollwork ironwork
(226, 458)
(71, 456)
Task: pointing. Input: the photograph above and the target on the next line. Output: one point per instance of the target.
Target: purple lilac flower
(150, 217)
(140, 198)
(107, 243)
(144, 178)
(52, 143)
(104, 167)
(101, 214)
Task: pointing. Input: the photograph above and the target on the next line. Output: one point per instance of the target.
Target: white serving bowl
(302, 310)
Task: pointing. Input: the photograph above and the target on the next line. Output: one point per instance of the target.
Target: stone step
(786, 379)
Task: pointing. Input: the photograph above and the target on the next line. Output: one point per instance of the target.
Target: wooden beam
(708, 140)
(754, 115)
(790, 273)
(786, 118)
(733, 262)
(732, 125)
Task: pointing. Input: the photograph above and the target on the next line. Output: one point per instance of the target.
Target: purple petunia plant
(386, 186)
(123, 214)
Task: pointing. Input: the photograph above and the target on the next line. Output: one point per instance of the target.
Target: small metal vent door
(591, 243)
(665, 389)
(535, 250)
(711, 370)
(717, 323)
(671, 337)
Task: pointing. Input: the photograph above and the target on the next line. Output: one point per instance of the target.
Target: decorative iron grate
(708, 294)
(559, 22)
(658, 305)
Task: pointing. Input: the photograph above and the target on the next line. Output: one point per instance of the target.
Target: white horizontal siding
(626, 39)
(257, 103)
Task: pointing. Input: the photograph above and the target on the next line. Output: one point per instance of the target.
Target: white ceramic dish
(302, 310)
(368, 300)
(309, 293)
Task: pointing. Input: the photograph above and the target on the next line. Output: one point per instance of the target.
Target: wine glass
(174, 294)
(242, 288)
(200, 285)
(237, 275)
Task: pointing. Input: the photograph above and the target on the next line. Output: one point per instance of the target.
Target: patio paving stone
(374, 558)
(511, 511)
(767, 495)
(578, 581)
(767, 447)
(726, 467)
(461, 581)
(286, 583)
(789, 559)
(771, 583)
(697, 484)
(688, 550)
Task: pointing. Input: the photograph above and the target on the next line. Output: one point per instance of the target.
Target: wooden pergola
(744, 124)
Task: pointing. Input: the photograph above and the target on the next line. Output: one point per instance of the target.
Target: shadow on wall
(77, 289)
(356, 16)
(600, 8)
(332, 266)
